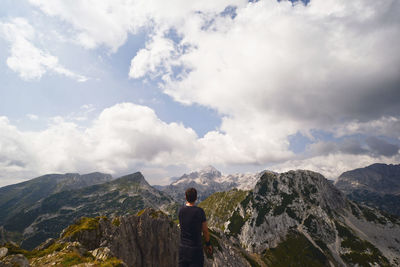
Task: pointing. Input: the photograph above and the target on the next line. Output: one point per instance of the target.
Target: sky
(166, 87)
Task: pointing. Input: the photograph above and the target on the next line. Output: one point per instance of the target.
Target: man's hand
(209, 250)
(206, 235)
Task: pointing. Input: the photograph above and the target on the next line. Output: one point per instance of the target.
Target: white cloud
(123, 137)
(151, 59)
(385, 126)
(26, 59)
(278, 68)
(109, 22)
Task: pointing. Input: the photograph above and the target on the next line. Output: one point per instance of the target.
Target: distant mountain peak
(210, 170)
(133, 177)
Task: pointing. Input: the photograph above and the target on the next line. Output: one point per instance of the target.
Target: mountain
(377, 185)
(47, 218)
(17, 197)
(299, 218)
(208, 181)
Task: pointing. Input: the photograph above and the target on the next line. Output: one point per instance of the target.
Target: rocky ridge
(149, 238)
(17, 197)
(302, 211)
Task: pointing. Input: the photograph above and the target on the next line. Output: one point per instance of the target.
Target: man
(192, 220)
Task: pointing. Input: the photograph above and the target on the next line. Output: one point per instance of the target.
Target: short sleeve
(202, 215)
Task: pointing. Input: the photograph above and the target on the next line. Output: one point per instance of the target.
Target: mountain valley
(296, 218)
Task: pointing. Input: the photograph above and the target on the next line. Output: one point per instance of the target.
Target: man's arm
(206, 235)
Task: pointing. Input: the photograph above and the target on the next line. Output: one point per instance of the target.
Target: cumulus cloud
(26, 59)
(121, 138)
(278, 68)
(109, 22)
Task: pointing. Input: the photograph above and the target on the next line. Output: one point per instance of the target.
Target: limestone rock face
(299, 218)
(149, 239)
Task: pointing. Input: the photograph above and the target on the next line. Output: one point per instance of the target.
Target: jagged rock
(17, 260)
(148, 239)
(3, 252)
(75, 247)
(102, 253)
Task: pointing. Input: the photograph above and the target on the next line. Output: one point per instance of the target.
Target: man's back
(191, 219)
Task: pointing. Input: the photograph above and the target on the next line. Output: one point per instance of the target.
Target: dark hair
(191, 195)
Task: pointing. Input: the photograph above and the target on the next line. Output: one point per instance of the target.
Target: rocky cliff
(149, 238)
(377, 185)
(299, 218)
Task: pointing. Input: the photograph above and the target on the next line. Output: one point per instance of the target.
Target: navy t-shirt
(191, 219)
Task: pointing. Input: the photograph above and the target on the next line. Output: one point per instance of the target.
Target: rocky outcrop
(148, 239)
(302, 211)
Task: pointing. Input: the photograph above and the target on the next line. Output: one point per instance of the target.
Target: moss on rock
(83, 224)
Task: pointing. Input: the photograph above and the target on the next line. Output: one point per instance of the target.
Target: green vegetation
(355, 210)
(362, 252)
(15, 250)
(73, 258)
(40, 253)
(112, 262)
(307, 192)
(287, 199)
(34, 253)
(157, 214)
(219, 206)
(310, 223)
(371, 216)
(236, 223)
(292, 214)
(140, 212)
(296, 250)
(116, 221)
(83, 224)
(262, 211)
